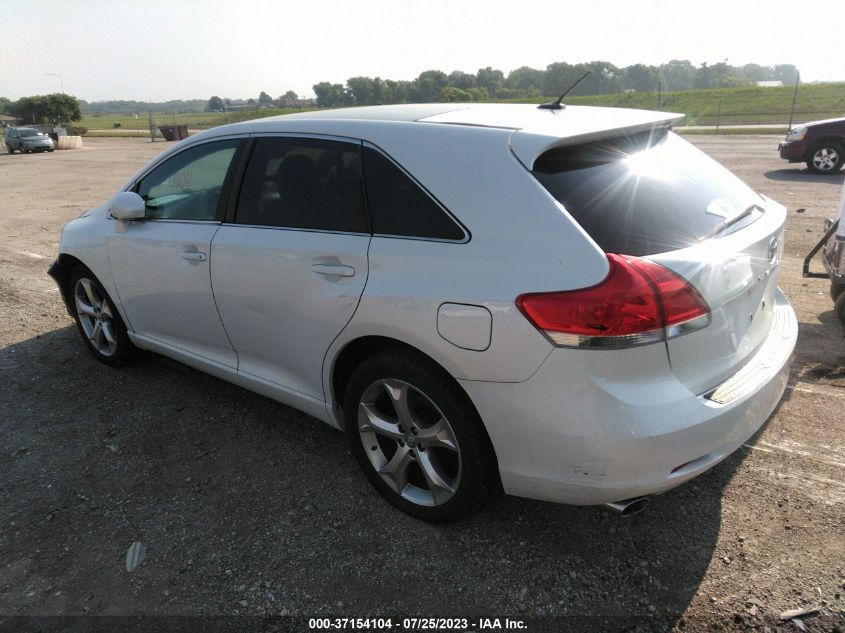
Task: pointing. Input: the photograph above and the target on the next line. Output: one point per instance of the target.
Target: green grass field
(739, 106)
(731, 106)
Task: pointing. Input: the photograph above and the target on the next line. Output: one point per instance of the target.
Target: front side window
(303, 183)
(188, 186)
(399, 206)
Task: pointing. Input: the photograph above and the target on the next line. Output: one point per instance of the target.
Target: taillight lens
(638, 302)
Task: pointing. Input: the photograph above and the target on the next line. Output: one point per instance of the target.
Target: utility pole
(718, 115)
(794, 96)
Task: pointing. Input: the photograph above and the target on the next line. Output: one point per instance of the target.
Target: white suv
(573, 305)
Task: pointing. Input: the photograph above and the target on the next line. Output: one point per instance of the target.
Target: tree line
(487, 84)
(530, 83)
(55, 108)
(219, 104)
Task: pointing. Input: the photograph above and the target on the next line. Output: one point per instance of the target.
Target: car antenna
(558, 105)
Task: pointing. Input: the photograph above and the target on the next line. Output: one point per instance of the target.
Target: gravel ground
(247, 507)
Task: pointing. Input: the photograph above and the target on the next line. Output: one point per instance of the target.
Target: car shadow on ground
(827, 365)
(247, 506)
(798, 174)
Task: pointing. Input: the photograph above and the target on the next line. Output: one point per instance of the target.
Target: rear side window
(398, 206)
(646, 193)
(303, 183)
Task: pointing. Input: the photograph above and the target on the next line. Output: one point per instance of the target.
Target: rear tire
(836, 290)
(418, 438)
(9, 149)
(97, 319)
(826, 158)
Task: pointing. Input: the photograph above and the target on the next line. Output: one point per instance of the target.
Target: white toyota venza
(567, 304)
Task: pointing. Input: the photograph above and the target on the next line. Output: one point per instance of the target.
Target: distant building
(7, 119)
(769, 84)
(285, 102)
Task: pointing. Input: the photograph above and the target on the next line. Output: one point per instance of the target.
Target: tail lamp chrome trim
(624, 341)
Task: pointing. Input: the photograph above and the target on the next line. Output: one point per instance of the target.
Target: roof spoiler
(528, 144)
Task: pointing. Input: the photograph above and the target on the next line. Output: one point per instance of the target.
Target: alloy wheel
(95, 316)
(409, 442)
(825, 159)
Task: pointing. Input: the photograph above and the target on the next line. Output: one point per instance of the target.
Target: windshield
(645, 193)
(28, 132)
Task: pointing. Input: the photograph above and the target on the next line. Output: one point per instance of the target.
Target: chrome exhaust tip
(628, 507)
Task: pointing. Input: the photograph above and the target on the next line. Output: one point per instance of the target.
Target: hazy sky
(175, 49)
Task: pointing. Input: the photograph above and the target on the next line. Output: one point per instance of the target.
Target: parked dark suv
(820, 144)
(27, 139)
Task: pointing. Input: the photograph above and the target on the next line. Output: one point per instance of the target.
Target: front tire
(9, 149)
(826, 157)
(418, 438)
(97, 319)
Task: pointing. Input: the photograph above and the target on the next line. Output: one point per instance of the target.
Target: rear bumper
(595, 427)
(793, 152)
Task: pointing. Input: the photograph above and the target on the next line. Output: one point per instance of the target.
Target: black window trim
(228, 180)
(231, 215)
(467, 235)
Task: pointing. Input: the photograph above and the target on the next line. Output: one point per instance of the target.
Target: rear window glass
(645, 193)
(399, 207)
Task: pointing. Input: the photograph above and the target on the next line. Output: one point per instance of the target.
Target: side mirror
(128, 205)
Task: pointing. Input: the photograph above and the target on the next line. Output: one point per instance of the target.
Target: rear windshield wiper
(729, 222)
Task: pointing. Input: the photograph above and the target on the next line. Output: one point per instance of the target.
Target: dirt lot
(248, 507)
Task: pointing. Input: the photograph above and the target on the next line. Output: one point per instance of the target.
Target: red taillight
(632, 306)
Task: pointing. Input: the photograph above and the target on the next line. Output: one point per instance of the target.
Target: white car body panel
(410, 279)
(570, 425)
(85, 238)
(165, 296)
(596, 427)
(279, 301)
(737, 276)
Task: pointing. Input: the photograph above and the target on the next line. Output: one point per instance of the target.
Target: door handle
(333, 269)
(194, 256)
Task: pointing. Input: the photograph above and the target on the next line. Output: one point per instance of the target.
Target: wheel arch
(815, 143)
(356, 351)
(60, 271)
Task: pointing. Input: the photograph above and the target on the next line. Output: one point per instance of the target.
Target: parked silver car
(27, 139)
